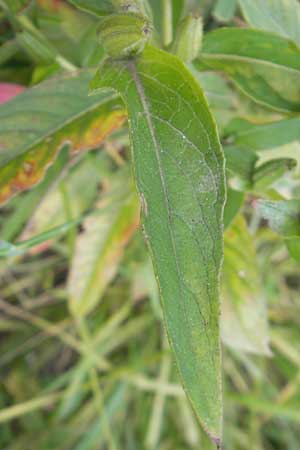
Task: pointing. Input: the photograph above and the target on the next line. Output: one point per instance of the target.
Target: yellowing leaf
(100, 247)
(36, 124)
(244, 315)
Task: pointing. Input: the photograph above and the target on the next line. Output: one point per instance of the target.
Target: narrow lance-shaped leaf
(265, 66)
(36, 124)
(179, 170)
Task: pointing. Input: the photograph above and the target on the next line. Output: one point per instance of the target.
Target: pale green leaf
(179, 169)
(244, 316)
(283, 216)
(80, 188)
(263, 136)
(280, 16)
(224, 10)
(293, 246)
(266, 66)
(99, 247)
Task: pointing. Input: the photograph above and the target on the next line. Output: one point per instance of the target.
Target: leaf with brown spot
(36, 124)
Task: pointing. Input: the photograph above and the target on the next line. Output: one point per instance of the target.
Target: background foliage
(84, 360)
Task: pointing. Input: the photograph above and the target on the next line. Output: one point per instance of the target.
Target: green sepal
(124, 35)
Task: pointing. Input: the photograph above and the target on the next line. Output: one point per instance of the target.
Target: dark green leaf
(266, 67)
(179, 170)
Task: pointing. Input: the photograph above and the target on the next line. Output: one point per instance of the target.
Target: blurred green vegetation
(104, 378)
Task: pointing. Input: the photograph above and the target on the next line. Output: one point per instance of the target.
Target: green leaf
(25, 206)
(8, 249)
(293, 246)
(179, 169)
(96, 7)
(270, 171)
(234, 203)
(283, 216)
(105, 7)
(224, 10)
(36, 124)
(99, 248)
(266, 67)
(80, 186)
(263, 136)
(244, 316)
(240, 164)
(15, 6)
(279, 16)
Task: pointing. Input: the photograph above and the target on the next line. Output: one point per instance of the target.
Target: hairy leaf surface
(37, 123)
(179, 169)
(266, 66)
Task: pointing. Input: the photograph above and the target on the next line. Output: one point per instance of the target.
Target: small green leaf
(244, 316)
(179, 169)
(283, 216)
(270, 171)
(240, 164)
(279, 16)
(262, 136)
(234, 203)
(100, 247)
(266, 66)
(35, 125)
